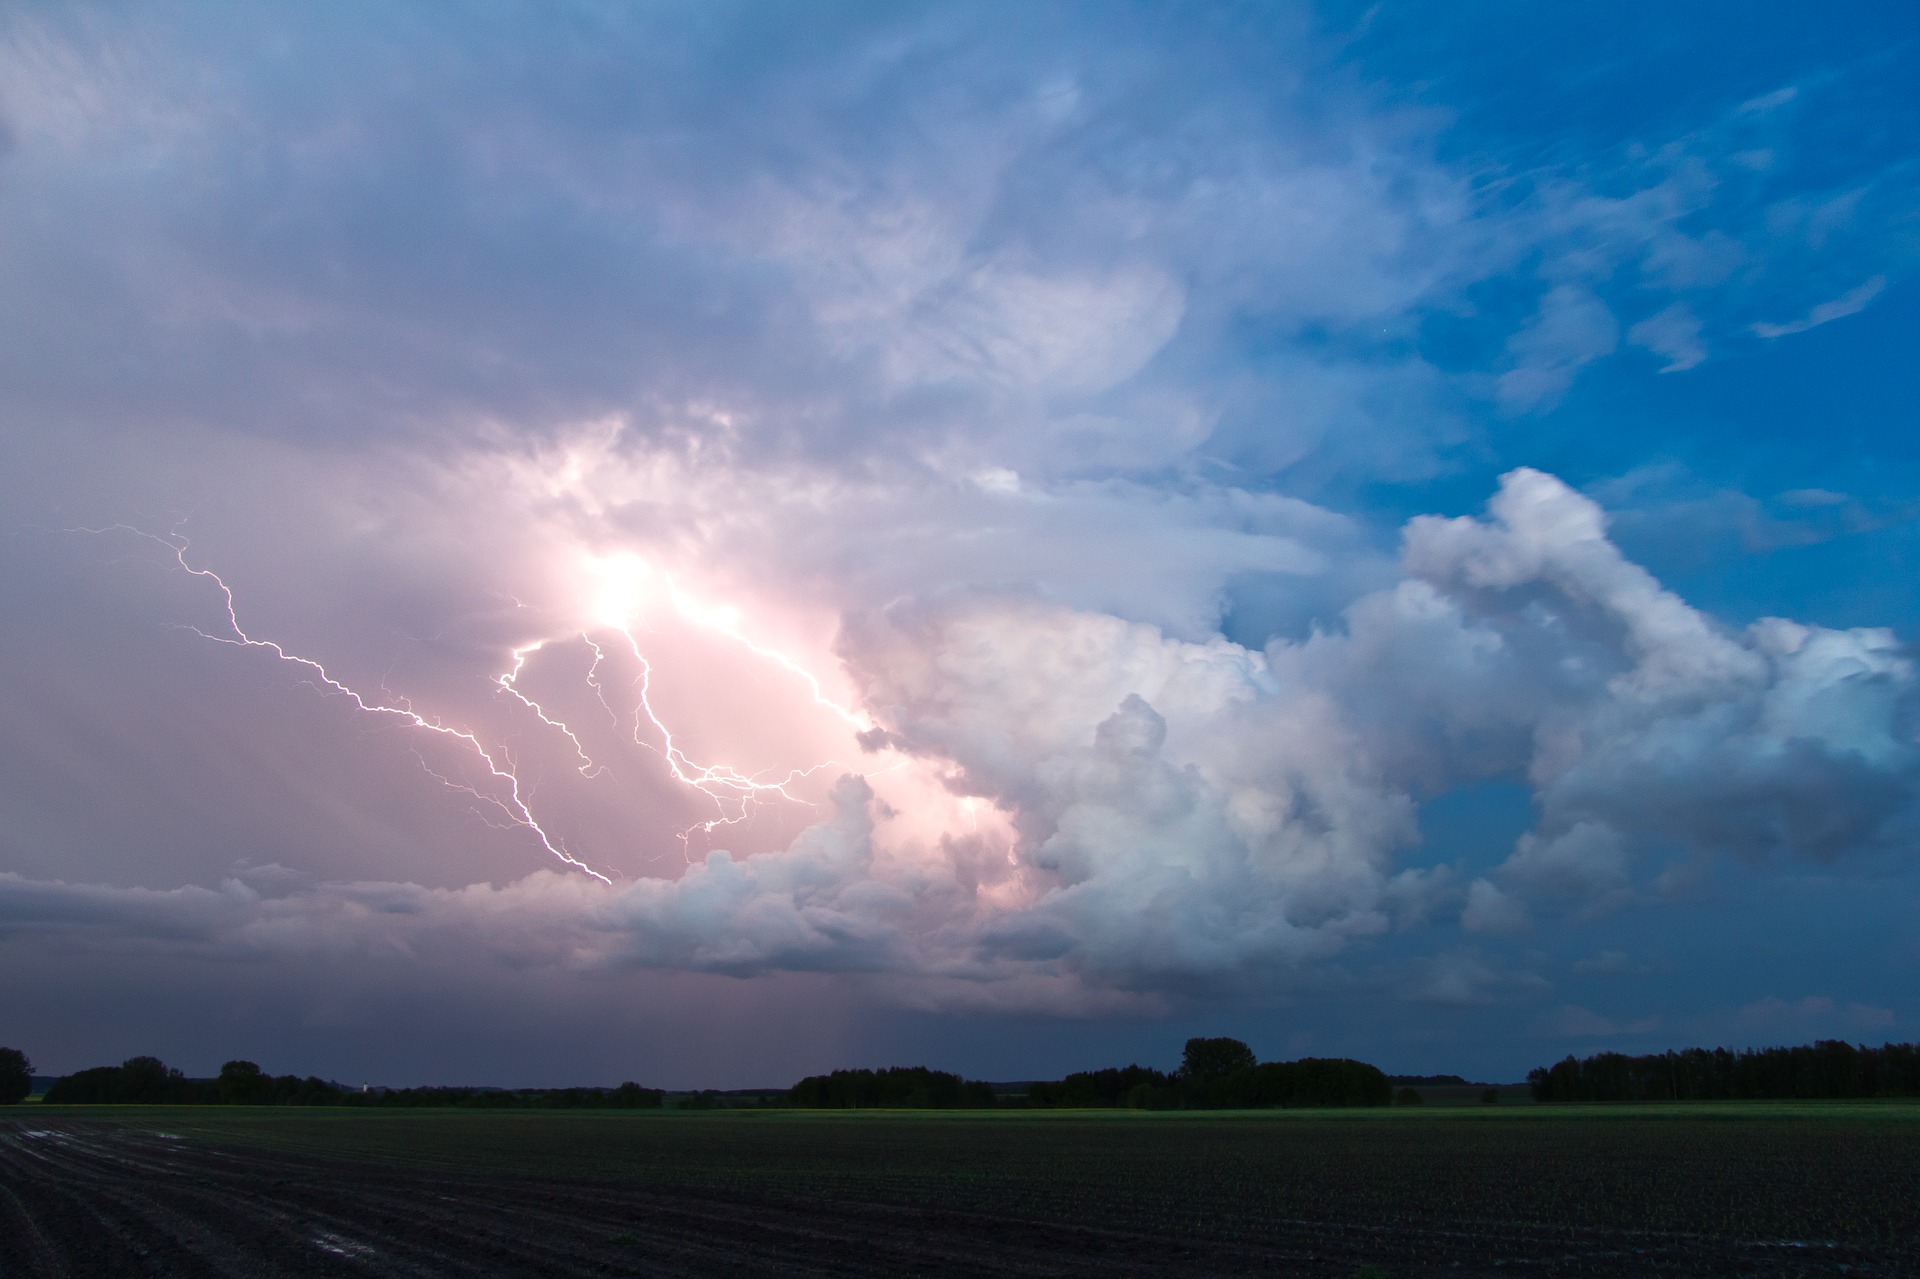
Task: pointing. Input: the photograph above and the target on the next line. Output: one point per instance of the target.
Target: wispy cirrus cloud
(1852, 302)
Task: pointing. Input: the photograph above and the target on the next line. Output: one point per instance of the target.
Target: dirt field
(212, 1191)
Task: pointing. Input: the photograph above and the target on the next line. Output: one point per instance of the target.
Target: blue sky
(964, 534)
(1589, 92)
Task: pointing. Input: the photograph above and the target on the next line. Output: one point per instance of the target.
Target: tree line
(895, 1088)
(150, 1081)
(1218, 1074)
(1214, 1073)
(1830, 1068)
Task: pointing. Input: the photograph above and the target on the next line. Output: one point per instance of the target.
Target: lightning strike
(513, 803)
(733, 793)
(507, 681)
(624, 584)
(624, 580)
(622, 577)
(593, 678)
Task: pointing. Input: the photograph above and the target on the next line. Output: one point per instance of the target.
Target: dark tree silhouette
(1136, 1086)
(243, 1083)
(1206, 1059)
(96, 1087)
(897, 1087)
(147, 1080)
(1828, 1069)
(1311, 1081)
(1221, 1073)
(16, 1076)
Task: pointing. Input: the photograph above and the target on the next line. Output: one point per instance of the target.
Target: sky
(705, 543)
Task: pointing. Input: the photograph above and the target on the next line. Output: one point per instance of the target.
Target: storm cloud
(1000, 513)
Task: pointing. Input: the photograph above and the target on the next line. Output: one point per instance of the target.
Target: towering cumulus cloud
(1648, 722)
(1182, 808)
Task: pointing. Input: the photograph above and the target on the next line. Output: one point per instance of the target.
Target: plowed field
(210, 1191)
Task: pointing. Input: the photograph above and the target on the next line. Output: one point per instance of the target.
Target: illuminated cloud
(1059, 795)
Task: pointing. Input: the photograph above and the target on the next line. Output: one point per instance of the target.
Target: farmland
(1753, 1189)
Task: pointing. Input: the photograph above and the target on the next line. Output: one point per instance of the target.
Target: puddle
(326, 1241)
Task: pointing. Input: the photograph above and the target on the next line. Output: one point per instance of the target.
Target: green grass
(392, 1133)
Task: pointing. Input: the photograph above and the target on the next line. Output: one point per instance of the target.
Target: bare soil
(87, 1197)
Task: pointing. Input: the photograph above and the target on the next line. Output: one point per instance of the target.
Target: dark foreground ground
(1754, 1191)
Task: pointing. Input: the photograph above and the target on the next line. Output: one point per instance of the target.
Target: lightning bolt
(507, 682)
(716, 619)
(593, 677)
(511, 802)
(734, 794)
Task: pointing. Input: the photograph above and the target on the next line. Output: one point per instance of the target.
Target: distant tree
(242, 1083)
(897, 1087)
(1407, 1097)
(631, 1096)
(96, 1087)
(1311, 1081)
(1827, 1069)
(1491, 1097)
(147, 1080)
(16, 1076)
(1109, 1087)
(1205, 1059)
(1153, 1097)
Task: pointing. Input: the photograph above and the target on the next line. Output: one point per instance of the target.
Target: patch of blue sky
(1721, 198)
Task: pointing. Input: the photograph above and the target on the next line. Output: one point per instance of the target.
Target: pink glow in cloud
(988, 798)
